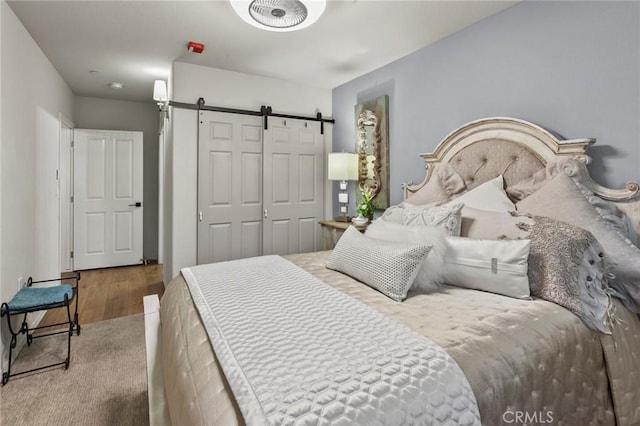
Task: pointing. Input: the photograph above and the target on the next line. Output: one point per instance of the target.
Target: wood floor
(112, 293)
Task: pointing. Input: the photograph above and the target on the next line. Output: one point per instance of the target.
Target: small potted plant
(366, 207)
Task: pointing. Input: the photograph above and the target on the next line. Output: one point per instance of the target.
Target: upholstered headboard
(484, 149)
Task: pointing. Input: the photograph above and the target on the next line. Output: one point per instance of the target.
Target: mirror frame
(375, 112)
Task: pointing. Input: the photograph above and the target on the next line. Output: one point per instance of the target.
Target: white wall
(109, 114)
(29, 82)
(218, 88)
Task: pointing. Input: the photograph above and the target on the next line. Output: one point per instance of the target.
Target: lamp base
(342, 219)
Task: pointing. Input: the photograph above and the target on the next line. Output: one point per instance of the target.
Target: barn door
(107, 198)
(229, 186)
(293, 186)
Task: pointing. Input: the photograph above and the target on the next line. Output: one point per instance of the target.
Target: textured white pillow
(447, 217)
(496, 266)
(488, 196)
(428, 276)
(388, 266)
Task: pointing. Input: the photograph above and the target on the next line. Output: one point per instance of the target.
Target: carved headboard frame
(543, 144)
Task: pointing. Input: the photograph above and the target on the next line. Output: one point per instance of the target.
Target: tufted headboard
(484, 149)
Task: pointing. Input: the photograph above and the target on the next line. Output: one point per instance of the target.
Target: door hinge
(72, 143)
(72, 198)
(71, 254)
(200, 216)
(266, 213)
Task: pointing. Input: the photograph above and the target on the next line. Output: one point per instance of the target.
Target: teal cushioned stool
(32, 299)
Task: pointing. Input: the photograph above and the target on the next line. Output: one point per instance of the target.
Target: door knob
(136, 204)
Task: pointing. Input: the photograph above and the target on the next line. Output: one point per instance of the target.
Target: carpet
(106, 383)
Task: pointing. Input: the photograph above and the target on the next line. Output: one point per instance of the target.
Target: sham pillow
(387, 266)
(489, 265)
(444, 183)
(488, 196)
(447, 217)
(561, 199)
(429, 274)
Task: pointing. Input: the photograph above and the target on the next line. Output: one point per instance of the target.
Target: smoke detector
(279, 15)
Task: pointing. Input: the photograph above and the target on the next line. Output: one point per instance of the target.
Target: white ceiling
(135, 42)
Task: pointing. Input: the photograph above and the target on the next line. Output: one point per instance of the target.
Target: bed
(527, 361)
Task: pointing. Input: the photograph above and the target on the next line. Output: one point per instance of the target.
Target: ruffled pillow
(444, 183)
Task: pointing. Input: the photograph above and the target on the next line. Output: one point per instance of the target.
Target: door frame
(65, 183)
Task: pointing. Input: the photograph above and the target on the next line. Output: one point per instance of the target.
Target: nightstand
(333, 230)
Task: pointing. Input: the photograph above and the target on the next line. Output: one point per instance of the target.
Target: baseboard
(158, 410)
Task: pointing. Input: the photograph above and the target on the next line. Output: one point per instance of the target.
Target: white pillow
(488, 196)
(429, 273)
(388, 266)
(496, 266)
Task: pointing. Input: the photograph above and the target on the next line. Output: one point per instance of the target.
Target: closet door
(293, 186)
(229, 186)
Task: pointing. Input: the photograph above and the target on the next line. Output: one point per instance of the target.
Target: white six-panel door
(229, 186)
(108, 210)
(251, 204)
(293, 186)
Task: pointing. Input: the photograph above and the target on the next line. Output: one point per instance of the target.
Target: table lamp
(343, 166)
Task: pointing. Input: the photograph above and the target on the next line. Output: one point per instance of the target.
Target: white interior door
(293, 186)
(229, 186)
(108, 208)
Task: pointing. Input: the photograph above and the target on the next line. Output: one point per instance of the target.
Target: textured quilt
(521, 358)
(296, 351)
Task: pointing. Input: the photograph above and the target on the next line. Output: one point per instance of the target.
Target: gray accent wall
(571, 67)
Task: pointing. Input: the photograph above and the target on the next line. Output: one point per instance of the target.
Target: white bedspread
(296, 351)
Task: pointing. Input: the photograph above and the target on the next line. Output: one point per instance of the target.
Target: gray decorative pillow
(567, 266)
(388, 266)
(561, 199)
(447, 217)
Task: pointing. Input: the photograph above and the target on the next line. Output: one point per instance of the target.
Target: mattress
(530, 358)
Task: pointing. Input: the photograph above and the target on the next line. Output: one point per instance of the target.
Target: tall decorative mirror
(372, 147)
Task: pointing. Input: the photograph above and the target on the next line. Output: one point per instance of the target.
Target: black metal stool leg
(12, 345)
(66, 361)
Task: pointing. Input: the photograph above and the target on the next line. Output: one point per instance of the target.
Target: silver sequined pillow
(388, 266)
(567, 266)
(447, 217)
